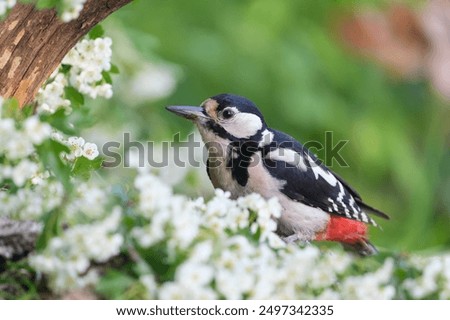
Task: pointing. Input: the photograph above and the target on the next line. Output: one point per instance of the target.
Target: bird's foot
(291, 239)
(295, 238)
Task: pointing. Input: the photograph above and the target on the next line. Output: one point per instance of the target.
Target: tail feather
(372, 210)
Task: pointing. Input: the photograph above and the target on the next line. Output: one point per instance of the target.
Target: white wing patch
(319, 172)
(288, 156)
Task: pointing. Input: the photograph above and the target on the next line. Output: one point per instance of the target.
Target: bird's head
(229, 116)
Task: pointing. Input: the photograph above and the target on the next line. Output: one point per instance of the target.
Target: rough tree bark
(17, 238)
(32, 44)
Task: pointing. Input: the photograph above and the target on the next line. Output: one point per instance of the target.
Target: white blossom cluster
(35, 193)
(182, 217)
(19, 143)
(232, 244)
(51, 97)
(80, 148)
(87, 60)
(71, 9)
(226, 261)
(168, 213)
(221, 249)
(67, 258)
(88, 203)
(435, 278)
(20, 165)
(374, 285)
(32, 202)
(5, 5)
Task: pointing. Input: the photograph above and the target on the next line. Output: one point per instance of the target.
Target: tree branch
(17, 238)
(34, 42)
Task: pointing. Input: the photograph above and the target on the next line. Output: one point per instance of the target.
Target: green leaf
(160, 261)
(44, 4)
(107, 77)
(114, 69)
(65, 68)
(113, 284)
(74, 96)
(59, 121)
(157, 258)
(96, 32)
(27, 111)
(83, 167)
(50, 152)
(11, 108)
(52, 228)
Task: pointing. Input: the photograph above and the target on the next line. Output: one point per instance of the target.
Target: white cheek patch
(243, 125)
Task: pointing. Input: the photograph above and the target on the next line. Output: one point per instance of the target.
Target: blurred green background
(288, 58)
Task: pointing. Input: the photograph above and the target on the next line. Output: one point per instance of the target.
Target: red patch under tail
(351, 233)
(343, 230)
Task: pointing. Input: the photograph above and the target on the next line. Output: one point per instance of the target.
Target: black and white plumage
(245, 156)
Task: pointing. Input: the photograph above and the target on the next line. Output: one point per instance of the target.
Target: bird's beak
(188, 112)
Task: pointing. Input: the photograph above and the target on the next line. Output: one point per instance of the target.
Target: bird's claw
(291, 239)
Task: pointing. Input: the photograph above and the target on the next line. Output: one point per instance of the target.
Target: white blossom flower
(172, 291)
(149, 282)
(372, 285)
(24, 171)
(202, 252)
(71, 9)
(7, 133)
(5, 5)
(90, 151)
(177, 291)
(153, 193)
(275, 242)
(36, 130)
(194, 274)
(228, 285)
(104, 90)
(39, 178)
(90, 200)
(19, 147)
(57, 136)
(153, 82)
(76, 146)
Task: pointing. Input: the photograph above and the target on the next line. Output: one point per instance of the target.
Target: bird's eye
(227, 113)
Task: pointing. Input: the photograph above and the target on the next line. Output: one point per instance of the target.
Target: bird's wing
(308, 181)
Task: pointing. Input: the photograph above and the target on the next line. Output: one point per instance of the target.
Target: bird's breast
(219, 171)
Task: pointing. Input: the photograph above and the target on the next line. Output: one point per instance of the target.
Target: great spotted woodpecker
(245, 156)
